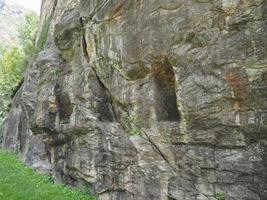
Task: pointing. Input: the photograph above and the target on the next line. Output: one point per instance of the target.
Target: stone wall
(148, 99)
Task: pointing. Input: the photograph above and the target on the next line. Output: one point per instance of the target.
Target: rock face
(148, 100)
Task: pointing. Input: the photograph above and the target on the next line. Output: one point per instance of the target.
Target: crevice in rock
(109, 96)
(22, 134)
(64, 106)
(165, 95)
(157, 149)
(84, 46)
(170, 198)
(16, 89)
(104, 98)
(54, 7)
(106, 94)
(162, 80)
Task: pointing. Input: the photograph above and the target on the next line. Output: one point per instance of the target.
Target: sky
(34, 5)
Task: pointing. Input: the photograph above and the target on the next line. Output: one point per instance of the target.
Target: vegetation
(18, 182)
(27, 34)
(2, 50)
(11, 70)
(14, 61)
(219, 196)
(43, 36)
(135, 129)
(27, 31)
(139, 72)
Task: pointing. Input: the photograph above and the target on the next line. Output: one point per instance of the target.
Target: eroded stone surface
(157, 100)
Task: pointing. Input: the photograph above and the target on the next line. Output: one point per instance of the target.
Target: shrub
(219, 196)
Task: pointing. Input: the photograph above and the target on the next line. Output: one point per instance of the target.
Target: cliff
(148, 100)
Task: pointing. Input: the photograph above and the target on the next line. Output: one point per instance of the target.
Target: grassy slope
(18, 182)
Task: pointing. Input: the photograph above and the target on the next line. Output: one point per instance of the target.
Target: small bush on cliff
(219, 196)
(18, 182)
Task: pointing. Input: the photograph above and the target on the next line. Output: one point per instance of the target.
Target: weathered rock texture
(148, 99)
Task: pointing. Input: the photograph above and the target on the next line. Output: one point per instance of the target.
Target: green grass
(18, 182)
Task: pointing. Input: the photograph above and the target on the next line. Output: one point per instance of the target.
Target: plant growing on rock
(219, 196)
(135, 129)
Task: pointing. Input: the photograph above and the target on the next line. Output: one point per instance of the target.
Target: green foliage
(18, 182)
(219, 196)
(27, 31)
(86, 188)
(12, 64)
(55, 70)
(14, 61)
(2, 50)
(27, 34)
(43, 36)
(11, 70)
(138, 72)
(135, 129)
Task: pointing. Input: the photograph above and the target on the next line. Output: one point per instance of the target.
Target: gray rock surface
(148, 100)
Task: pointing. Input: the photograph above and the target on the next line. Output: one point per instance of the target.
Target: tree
(14, 61)
(27, 31)
(27, 34)
(11, 72)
